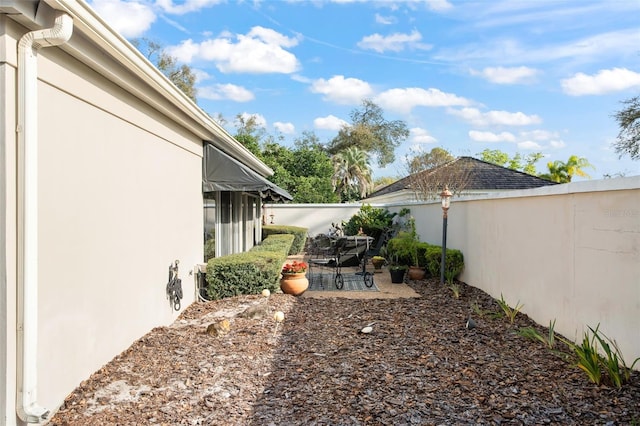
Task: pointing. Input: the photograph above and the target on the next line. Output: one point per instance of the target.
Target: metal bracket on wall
(174, 286)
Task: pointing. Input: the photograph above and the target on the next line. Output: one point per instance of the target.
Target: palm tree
(352, 173)
(562, 172)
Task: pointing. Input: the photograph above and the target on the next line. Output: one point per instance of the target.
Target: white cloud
(503, 118)
(260, 51)
(329, 122)
(419, 135)
(539, 135)
(342, 90)
(529, 145)
(130, 19)
(605, 81)
(286, 128)
(613, 44)
(557, 144)
(225, 91)
(260, 121)
(395, 42)
(185, 6)
(404, 100)
(201, 75)
(504, 75)
(385, 20)
(439, 5)
(479, 136)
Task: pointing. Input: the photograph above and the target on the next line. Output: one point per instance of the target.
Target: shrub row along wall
(259, 268)
(569, 252)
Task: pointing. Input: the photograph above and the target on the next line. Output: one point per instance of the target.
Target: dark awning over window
(220, 172)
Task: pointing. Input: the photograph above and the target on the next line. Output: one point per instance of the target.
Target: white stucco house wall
(101, 190)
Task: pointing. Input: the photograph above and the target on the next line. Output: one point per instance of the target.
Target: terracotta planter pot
(294, 284)
(416, 273)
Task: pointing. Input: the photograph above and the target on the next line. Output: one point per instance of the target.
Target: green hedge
(249, 272)
(243, 273)
(276, 242)
(454, 263)
(299, 233)
(422, 254)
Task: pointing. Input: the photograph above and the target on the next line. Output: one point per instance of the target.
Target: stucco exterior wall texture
(120, 199)
(569, 253)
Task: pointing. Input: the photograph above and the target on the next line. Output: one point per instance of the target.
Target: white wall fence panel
(569, 252)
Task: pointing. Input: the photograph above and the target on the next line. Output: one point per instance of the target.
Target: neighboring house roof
(482, 176)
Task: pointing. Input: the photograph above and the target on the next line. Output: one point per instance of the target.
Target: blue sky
(515, 75)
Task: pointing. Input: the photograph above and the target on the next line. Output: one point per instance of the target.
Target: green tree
(628, 119)
(305, 171)
(249, 133)
(525, 164)
(372, 133)
(352, 175)
(180, 75)
(428, 160)
(563, 172)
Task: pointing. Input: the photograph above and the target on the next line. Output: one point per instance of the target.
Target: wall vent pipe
(28, 408)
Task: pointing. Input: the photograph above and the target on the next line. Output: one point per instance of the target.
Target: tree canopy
(372, 133)
(428, 160)
(628, 119)
(352, 174)
(427, 178)
(305, 170)
(526, 164)
(563, 172)
(180, 75)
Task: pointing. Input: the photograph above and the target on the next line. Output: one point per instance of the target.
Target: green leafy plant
(372, 220)
(455, 289)
(454, 262)
(533, 334)
(589, 358)
(508, 310)
(475, 307)
(613, 361)
(453, 286)
(404, 248)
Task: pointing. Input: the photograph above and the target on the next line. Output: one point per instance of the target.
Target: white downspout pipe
(28, 408)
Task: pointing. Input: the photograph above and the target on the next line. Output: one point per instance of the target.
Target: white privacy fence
(568, 252)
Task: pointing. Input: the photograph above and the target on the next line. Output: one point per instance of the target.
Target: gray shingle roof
(482, 176)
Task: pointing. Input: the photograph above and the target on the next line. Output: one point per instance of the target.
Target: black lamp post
(445, 196)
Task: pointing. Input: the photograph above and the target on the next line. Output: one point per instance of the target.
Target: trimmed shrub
(402, 249)
(454, 261)
(244, 273)
(299, 233)
(422, 254)
(276, 242)
(250, 272)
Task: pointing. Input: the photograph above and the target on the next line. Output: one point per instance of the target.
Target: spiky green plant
(508, 310)
(533, 334)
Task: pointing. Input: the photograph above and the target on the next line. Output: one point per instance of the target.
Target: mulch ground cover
(419, 365)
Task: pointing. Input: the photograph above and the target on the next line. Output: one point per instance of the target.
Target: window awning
(220, 172)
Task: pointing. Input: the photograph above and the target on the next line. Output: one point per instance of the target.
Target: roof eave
(94, 28)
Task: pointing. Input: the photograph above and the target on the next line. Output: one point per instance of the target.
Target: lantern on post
(445, 197)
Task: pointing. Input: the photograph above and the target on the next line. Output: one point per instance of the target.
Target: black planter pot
(397, 275)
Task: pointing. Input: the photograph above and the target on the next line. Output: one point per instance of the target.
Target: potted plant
(294, 278)
(378, 262)
(397, 271)
(405, 247)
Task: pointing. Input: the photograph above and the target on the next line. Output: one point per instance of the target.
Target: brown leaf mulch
(419, 366)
